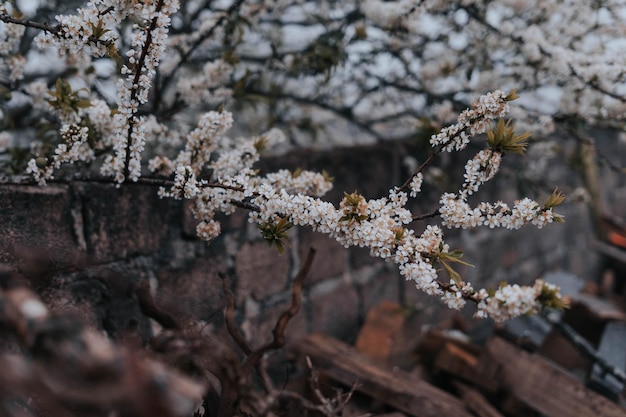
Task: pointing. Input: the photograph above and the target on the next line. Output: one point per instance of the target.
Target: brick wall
(84, 246)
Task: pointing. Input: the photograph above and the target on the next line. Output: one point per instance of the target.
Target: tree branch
(229, 316)
(29, 23)
(279, 329)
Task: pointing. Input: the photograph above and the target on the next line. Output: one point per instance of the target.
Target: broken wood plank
(460, 363)
(475, 401)
(382, 327)
(399, 389)
(434, 340)
(543, 386)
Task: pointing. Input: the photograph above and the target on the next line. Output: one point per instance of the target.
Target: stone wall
(84, 245)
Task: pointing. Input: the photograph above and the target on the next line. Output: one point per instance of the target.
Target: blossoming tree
(149, 91)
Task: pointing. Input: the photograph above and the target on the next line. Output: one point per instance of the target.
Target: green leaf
(454, 276)
(454, 256)
(504, 140)
(82, 104)
(554, 200)
(550, 298)
(276, 233)
(279, 247)
(512, 95)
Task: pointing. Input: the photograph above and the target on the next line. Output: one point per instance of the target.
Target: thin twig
(330, 407)
(426, 215)
(159, 182)
(421, 168)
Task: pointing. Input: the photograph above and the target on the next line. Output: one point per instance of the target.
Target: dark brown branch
(345, 113)
(29, 23)
(46, 27)
(229, 316)
(138, 69)
(279, 330)
(581, 137)
(421, 168)
(426, 216)
(161, 182)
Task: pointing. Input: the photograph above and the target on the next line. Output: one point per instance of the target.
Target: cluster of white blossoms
(511, 301)
(217, 172)
(10, 36)
(480, 169)
(148, 45)
(280, 200)
(74, 148)
(208, 86)
(472, 122)
(457, 213)
(93, 32)
(416, 184)
(87, 33)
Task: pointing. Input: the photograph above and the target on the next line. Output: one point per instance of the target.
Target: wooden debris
(380, 331)
(528, 331)
(460, 363)
(475, 401)
(399, 389)
(543, 386)
(433, 342)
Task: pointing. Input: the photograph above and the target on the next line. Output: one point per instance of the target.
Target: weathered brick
(125, 221)
(260, 271)
(330, 257)
(195, 290)
(103, 297)
(37, 227)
